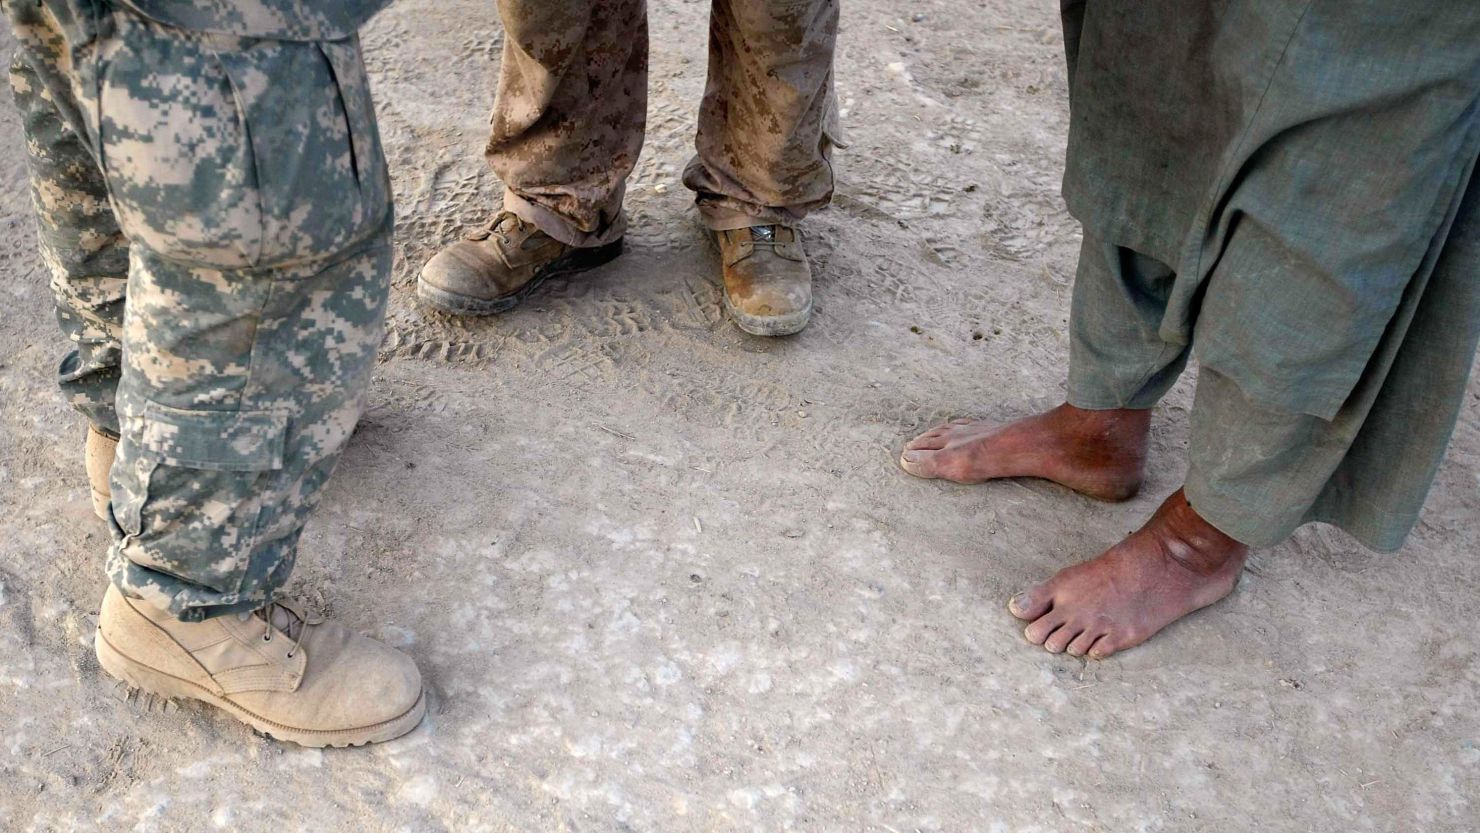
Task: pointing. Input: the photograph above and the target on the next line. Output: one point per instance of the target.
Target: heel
(100, 503)
(98, 454)
(579, 260)
(611, 250)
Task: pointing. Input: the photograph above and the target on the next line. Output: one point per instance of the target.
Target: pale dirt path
(665, 577)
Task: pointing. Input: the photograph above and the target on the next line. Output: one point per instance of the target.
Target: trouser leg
(1253, 469)
(248, 177)
(239, 391)
(569, 113)
(80, 242)
(1121, 354)
(767, 124)
(261, 270)
(1258, 471)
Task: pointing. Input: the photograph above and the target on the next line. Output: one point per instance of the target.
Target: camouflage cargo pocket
(233, 153)
(191, 482)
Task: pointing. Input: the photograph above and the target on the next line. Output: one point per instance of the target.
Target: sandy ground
(665, 577)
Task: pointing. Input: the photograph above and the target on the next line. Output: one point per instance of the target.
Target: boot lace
(766, 236)
(295, 622)
(499, 226)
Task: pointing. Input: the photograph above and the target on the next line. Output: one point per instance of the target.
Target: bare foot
(1175, 564)
(1098, 453)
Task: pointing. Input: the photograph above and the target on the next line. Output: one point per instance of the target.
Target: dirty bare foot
(1098, 453)
(1175, 564)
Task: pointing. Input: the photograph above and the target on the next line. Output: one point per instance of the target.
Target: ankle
(1189, 539)
(1130, 424)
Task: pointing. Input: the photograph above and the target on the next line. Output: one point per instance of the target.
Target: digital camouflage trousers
(215, 213)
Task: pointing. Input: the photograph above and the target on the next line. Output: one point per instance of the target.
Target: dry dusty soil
(662, 576)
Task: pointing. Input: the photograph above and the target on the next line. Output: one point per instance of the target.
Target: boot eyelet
(267, 637)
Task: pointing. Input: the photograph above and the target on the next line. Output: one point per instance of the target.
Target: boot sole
(769, 325)
(578, 260)
(134, 673)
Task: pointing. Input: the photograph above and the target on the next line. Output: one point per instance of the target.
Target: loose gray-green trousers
(1287, 190)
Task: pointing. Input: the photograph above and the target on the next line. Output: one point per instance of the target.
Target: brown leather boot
(500, 264)
(279, 670)
(98, 455)
(768, 284)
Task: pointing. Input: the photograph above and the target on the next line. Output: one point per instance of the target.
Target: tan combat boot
(98, 455)
(768, 284)
(292, 676)
(500, 264)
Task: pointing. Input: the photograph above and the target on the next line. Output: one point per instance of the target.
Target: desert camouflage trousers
(571, 106)
(215, 214)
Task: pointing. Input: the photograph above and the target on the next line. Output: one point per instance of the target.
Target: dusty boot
(500, 264)
(768, 284)
(286, 674)
(98, 454)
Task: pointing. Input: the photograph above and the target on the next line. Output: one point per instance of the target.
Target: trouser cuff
(727, 214)
(1249, 525)
(1102, 401)
(562, 228)
(91, 391)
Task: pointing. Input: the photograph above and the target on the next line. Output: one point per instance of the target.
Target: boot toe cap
(771, 301)
(381, 686)
(460, 268)
(351, 683)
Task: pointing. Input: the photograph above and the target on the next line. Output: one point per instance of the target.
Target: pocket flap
(215, 440)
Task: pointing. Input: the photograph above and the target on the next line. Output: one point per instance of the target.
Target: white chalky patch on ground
(420, 790)
(302, 759)
(397, 636)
